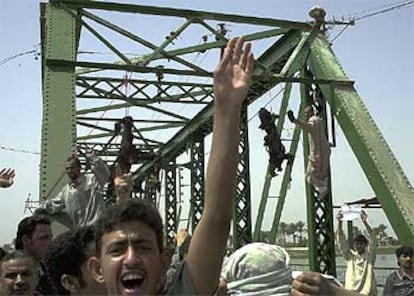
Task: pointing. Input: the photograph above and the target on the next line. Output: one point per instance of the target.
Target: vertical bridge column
(171, 219)
(319, 214)
(59, 111)
(197, 180)
(242, 230)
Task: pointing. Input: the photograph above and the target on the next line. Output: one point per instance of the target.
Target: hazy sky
(376, 53)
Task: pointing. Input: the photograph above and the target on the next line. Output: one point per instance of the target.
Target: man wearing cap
(401, 282)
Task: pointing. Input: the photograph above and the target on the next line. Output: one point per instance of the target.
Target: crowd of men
(118, 250)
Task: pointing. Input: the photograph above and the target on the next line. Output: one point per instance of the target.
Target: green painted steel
(379, 164)
(171, 218)
(204, 15)
(242, 230)
(299, 46)
(202, 120)
(321, 243)
(58, 125)
(310, 194)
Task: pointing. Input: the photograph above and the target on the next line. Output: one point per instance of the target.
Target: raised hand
(364, 216)
(339, 216)
(122, 184)
(181, 237)
(233, 74)
(7, 177)
(291, 116)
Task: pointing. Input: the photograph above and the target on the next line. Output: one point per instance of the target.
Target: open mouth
(132, 281)
(20, 292)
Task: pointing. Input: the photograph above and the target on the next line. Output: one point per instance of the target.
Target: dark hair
(15, 254)
(66, 255)
(27, 226)
(130, 211)
(75, 159)
(404, 250)
(2, 253)
(360, 238)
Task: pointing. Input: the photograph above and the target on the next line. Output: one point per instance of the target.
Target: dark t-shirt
(181, 284)
(45, 285)
(398, 284)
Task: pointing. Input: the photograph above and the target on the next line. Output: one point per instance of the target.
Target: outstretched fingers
(238, 50)
(226, 59)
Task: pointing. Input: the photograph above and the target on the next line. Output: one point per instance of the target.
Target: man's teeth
(132, 276)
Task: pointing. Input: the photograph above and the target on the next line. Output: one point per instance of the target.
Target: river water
(382, 261)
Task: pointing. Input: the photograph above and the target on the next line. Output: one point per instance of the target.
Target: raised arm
(371, 234)
(302, 124)
(340, 236)
(99, 168)
(122, 185)
(231, 83)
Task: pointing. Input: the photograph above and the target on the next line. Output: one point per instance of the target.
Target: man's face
(405, 261)
(18, 277)
(72, 170)
(360, 246)
(38, 245)
(308, 112)
(130, 260)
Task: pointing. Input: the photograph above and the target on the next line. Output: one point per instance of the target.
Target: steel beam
(197, 179)
(204, 15)
(242, 230)
(321, 246)
(171, 219)
(58, 124)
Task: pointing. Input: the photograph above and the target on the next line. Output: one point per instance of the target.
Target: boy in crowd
(67, 263)
(401, 281)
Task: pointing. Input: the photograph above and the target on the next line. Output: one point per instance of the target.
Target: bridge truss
(103, 60)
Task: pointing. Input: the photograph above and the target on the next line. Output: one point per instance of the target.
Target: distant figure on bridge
(272, 142)
(82, 198)
(401, 281)
(317, 170)
(360, 261)
(7, 178)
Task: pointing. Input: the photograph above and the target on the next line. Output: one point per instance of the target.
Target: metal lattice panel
(150, 191)
(324, 234)
(319, 213)
(197, 180)
(242, 231)
(171, 219)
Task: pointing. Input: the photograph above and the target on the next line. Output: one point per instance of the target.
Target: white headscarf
(258, 269)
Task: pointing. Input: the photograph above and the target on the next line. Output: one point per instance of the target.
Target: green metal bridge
(91, 80)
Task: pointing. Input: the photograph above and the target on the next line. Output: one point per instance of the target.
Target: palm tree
(291, 230)
(380, 232)
(300, 227)
(282, 231)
